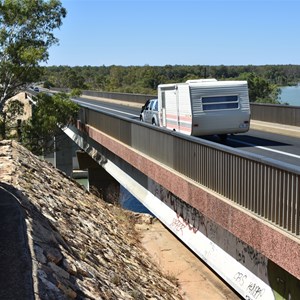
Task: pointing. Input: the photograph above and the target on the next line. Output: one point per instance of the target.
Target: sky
(178, 32)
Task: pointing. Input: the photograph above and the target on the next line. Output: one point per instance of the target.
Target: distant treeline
(145, 79)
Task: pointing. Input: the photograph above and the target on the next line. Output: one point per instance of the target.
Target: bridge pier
(100, 181)
(68, 158)
(63, 157)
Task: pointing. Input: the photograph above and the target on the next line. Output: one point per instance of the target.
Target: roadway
(281, 147)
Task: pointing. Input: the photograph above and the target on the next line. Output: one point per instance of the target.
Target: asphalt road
(280, 147)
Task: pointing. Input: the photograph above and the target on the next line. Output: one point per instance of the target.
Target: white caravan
(205, 107)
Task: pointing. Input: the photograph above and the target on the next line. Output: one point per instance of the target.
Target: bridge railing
(274, 113)
(264, 186)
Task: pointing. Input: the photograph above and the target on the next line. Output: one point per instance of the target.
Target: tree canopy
(263, 80)
(26, 33)
(50, 113)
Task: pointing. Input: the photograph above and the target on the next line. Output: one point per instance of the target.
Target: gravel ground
(195, 279)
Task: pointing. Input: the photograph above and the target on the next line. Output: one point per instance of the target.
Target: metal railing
(274, 113)
(282, 114)
(263, 186)
(137, 98)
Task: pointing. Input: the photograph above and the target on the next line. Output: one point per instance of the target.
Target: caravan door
(184, 110)
(175, 107)
(167, 106)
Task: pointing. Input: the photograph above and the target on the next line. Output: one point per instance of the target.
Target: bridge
(239, 212)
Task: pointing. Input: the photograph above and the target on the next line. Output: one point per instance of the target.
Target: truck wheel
(153, 122)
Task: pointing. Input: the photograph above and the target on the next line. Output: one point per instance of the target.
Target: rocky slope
(79, 246)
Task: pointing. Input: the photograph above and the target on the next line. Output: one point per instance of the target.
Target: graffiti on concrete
(251, 258)
(178, 226)
(186, 214)
(240, 278)
(283, 285)
(255, 290)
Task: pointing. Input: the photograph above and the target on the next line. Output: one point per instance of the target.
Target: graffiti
(240, 278)
(177, 225)
(255, 290)
(240, 256)
(209, 252)
(190, 215)
(248, 256)
(188, 224)
(213, 231)
(282, 284)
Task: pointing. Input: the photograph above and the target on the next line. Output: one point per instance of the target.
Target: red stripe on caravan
(172, 126)
(183, 118)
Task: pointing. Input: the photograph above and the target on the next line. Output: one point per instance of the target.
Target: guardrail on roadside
(276, 113)
(273, 113)
(282, 114)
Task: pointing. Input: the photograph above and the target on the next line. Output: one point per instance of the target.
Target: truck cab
(149, 112)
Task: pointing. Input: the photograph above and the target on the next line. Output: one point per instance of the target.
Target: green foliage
(49, 114)
(72, 79)
(47, 84)
(26, 33)
(260, 90)
(263, 80)
(76, 93)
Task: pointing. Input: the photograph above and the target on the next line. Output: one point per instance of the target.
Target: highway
(276, 146)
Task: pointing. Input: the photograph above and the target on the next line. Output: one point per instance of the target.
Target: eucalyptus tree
(51, 113)
(26, 33)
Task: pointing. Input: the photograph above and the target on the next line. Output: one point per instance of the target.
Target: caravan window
(220, 102)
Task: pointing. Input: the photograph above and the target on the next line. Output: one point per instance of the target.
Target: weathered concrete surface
(79, 246)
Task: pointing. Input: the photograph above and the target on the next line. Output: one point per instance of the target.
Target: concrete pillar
(63, 157)
(101, 182)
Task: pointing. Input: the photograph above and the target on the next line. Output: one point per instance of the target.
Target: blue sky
(178, 32)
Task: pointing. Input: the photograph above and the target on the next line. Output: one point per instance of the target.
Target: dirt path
(195, 279)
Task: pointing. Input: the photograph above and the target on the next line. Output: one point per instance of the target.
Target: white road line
(241, 142)
(99, 106)
(265, 148)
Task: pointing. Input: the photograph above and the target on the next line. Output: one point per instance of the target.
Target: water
(129, 202)
(290, 95)
(126, 200)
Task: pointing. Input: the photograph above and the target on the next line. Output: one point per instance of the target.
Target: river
(129, 202)
(290, 95)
